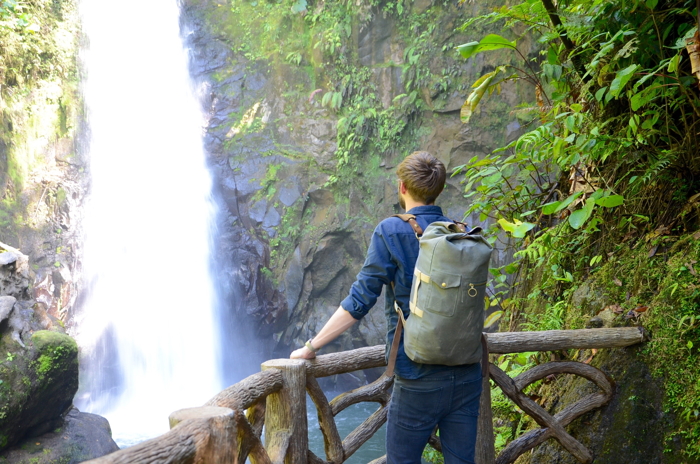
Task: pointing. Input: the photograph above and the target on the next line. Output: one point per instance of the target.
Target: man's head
(423, 175)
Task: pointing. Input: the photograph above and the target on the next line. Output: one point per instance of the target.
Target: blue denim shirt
(391, 257)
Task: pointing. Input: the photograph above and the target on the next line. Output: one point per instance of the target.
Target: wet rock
(294, 280)
(272, 218)
(257, 211)
(286, 264)
(6, 304)
(589, 298)
(290, 194)
(14, 273)
(38, 383)
(329, 262)
(595, 322)
(79, 437)
(322, 197)
(7, 258)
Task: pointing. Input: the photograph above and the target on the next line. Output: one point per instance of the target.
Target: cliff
(310, 110)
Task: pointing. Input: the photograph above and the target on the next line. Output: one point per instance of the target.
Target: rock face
(629, 429)
(82, 437)
(298, 202)
(43, 177)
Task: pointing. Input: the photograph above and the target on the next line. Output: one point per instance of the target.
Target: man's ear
(402, 188)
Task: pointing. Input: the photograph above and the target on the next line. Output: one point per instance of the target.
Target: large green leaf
(621, 79)
(551, 207)
(579, 217)
(642, 98)
(564, 203)
(490, 42)
(492, 318)
(480, 87)
(517, 228)
(610, 201)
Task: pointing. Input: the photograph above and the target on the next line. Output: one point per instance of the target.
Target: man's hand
(337, 324)
(302, 353)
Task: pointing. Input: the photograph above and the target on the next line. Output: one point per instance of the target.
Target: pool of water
(347, 421)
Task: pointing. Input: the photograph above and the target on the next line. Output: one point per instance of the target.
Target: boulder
(37, 384)
(82, 437)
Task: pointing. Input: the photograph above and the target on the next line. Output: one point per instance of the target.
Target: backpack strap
(462, 227)
(411, 219)
(484, 355)
(394, 351)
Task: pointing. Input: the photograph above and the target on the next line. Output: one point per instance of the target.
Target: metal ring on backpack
(469, 292)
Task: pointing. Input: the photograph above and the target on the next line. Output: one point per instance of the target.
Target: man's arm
(339, 322)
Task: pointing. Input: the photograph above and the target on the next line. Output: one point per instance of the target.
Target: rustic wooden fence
(228, 428)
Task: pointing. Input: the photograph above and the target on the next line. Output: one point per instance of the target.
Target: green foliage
(268, 274)
(293, 32)
(38, 104)
(608, 155)
(432, 455)
(268, 183)
(34, 36)
(604, 134)
(13, 16)
(490, 42)
(616, 123)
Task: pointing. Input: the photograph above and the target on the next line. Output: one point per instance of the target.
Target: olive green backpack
(447, 297)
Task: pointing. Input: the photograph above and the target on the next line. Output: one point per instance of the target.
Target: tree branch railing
(228, 428)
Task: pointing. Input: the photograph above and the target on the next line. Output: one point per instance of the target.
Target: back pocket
(416, 408)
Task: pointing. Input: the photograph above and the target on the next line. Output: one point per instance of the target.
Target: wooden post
(219, 445)
(485, 447)
(286, 427)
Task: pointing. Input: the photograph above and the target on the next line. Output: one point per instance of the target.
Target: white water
(147, 336)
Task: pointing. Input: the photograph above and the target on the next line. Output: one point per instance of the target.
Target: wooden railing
(228, 428)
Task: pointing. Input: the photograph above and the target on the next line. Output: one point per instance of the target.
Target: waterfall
(147, 323)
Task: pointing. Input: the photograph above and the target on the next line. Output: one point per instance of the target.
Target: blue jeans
(448, 399)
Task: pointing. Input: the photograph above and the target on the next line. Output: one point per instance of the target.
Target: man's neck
(410, 204)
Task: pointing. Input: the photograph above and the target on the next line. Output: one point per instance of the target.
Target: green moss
(665, 286)
(57, 353)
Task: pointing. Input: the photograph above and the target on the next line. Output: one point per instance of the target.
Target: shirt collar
(425, 209)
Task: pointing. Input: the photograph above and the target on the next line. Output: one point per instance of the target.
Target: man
(424, 395)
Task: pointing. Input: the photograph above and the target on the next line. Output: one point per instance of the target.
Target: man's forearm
(339, 322)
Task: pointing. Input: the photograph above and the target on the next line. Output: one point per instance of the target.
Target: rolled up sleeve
(377, 271)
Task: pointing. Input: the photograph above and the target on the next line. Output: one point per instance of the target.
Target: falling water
(147, 331)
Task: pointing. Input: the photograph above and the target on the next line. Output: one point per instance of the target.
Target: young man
(424, 395)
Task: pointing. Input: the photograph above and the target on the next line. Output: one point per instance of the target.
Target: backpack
(447, 296)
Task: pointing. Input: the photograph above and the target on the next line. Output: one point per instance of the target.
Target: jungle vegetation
(603, 184)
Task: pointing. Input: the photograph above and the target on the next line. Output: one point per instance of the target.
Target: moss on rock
(652, 418)
(37, 385)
